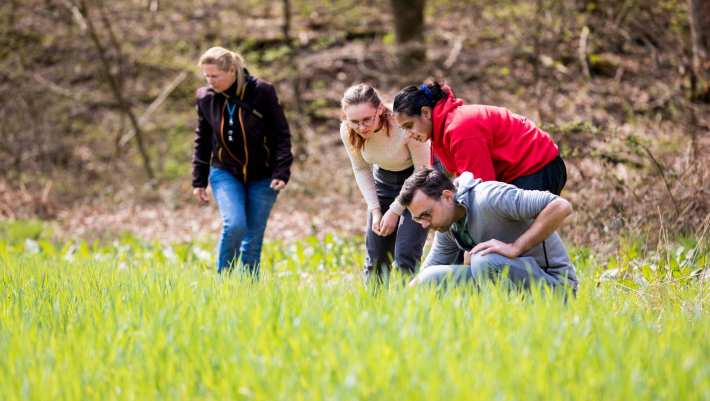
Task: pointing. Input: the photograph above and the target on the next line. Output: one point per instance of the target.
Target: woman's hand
(277, 184)
(201, 195)
(388, 223)
(376, 219)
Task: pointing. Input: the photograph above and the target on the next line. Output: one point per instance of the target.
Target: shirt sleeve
(443, 251)
(362, 171)
(513, 203)
(282, 157)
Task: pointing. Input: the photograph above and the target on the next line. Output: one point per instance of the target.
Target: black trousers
(551, 178)
(404, 245)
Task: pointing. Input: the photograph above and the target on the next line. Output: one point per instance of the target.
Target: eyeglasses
(365, 122)
(424, 216)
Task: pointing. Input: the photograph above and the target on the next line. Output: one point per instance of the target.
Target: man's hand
(388, 223)
(495, 246)
(277, 184)
(467, 257)
(201, 195)
(376, 218)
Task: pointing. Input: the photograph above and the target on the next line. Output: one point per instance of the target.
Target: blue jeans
(245, 210)
(522, 272)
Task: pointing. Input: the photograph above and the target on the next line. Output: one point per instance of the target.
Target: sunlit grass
(131, 320)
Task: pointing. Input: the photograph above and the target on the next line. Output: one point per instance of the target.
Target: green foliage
(389, 39)
(636, 267)
(136, 320)
(275, 54)
(17, 231)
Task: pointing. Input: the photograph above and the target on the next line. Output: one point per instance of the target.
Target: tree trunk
(114, 82)
(298, 126)
(699, 15)
(286, 26)
(409, 31)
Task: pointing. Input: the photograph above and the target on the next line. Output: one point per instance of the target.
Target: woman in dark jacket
(243, 150)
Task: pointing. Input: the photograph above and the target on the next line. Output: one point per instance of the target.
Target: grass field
(136, 321)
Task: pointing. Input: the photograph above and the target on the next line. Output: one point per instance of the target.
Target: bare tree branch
(583, 39)
(53, 87)
(455, 52)
(80, 10)
(154, 105)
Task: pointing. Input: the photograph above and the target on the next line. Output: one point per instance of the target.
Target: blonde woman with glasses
(382, 158)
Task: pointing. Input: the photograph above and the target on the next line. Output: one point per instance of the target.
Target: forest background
(107, 284)
(98, 104)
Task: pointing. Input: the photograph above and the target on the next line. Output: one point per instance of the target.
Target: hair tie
(427, 92)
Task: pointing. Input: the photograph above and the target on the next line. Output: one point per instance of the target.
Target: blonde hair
(358, 94)
(224, 60)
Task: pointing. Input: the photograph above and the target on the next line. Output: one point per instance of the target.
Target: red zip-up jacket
(491, 142)
(260, 145)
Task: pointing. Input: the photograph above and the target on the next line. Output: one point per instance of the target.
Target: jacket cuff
(281, 177)
(200, 179)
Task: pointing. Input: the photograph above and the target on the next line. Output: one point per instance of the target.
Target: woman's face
(363, 118)
(417, 127)
(217, 79)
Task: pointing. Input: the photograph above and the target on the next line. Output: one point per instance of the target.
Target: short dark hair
(411, 99)
(431, 182)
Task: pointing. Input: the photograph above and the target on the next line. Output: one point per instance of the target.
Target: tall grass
(135, 321)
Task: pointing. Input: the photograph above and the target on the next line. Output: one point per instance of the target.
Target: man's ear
(426, 112)
(447, 195)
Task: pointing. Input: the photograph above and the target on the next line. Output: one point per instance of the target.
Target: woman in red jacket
(491, 142)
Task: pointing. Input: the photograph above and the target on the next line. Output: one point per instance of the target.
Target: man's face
(417, 127)
(435, 214)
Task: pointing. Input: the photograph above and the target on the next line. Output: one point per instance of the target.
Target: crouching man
(501, 227)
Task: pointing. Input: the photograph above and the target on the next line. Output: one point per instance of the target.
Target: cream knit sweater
(393, 153)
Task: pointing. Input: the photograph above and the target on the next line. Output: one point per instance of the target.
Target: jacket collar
(232, 90)
(465, 194)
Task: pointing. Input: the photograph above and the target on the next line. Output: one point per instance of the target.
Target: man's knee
(481, 264)
(432, 275)
(442, 275)
(519, 271)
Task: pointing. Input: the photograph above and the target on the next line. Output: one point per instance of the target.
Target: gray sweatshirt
(501, 211)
